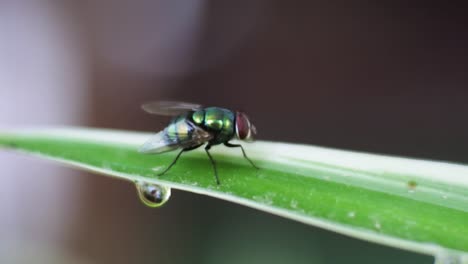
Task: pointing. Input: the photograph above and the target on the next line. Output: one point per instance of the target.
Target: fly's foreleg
(227, 144)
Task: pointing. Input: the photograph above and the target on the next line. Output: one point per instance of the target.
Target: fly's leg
(172, 163)
(207, 148)
(177, 157)
(227, 144)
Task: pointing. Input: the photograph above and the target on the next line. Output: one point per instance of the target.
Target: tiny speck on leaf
(412, 185)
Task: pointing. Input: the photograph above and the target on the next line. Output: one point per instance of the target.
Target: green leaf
(416, 205)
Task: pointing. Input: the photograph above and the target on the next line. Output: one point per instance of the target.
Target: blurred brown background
(383, 77)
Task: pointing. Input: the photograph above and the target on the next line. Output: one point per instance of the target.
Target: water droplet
(377, 225)
(444, 196)
(266, 198)
(293, 204)
(105, 165)
(351, 214)
(152, 195)
(158, 169)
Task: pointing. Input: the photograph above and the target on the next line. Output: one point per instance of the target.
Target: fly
(194, 126)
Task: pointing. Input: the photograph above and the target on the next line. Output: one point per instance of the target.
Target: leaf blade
(411, 204)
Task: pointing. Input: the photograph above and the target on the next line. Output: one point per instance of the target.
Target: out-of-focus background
(383, 77)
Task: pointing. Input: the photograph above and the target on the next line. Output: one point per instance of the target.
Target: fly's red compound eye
(242, 125)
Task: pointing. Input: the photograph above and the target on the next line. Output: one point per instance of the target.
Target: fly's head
(245, 130)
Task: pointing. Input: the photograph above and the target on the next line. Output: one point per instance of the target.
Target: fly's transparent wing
(169, 108)
(165, 141)
(158, 143)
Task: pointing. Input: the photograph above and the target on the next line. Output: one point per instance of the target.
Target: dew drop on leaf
(351, 214)
(377, 225)
(152, 195)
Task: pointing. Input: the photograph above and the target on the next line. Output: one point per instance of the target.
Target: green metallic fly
(194, 126)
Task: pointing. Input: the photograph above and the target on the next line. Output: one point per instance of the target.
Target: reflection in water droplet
(152, 195)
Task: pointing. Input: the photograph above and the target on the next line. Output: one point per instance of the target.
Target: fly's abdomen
(180, 130)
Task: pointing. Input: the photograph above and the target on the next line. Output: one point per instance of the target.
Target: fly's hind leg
(227, 144)
(177, 157)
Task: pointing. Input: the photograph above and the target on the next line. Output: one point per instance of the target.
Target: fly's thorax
(213, 118)
(198, 117)
(216, 120)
